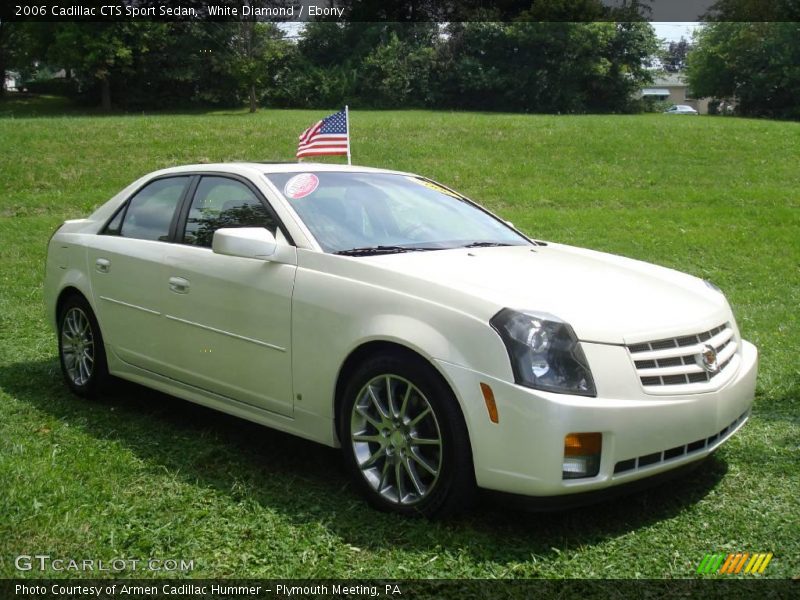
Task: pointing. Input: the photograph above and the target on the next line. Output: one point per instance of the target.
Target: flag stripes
(328, 137)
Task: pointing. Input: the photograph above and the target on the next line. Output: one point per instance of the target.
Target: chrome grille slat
(647, 350)
(726, 353)
(689, 340)
(676, 361)
(677, 370)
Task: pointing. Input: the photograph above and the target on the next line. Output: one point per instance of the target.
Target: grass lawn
(142, 475)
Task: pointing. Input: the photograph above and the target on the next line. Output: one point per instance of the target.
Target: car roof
(259, 168)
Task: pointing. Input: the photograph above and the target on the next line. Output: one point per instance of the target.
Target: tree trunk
(253, 104)
(105, 94)
(4, 37)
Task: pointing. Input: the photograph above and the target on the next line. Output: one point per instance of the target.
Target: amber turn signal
(581, 455)
(491, 406)
(581, 444)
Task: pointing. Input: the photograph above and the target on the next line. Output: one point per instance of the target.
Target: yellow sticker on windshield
(433, 186)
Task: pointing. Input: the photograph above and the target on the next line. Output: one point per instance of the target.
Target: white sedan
(378, 311)
(680, 109)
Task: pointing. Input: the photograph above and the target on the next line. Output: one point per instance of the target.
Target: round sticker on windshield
(301, 186)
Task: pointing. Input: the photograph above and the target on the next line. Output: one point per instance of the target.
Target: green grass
(141, 474)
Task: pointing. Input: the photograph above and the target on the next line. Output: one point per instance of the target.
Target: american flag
(327, 137)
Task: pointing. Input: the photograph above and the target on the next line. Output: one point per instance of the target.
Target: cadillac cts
(378, 311)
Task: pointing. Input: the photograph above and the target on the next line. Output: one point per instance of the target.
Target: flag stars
(326, 137)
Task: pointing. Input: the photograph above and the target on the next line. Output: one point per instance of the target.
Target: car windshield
(375, 213)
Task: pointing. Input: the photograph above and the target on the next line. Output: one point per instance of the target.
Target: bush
(656, 106)
(54, 87)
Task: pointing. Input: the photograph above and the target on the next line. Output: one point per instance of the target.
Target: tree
(753, 10)
(674, 56)
(397, 73)
(254, 57)
(544, 67)
(626, 58)
(99, 53)
(21, 44)
(755, 63)
(9, 45)
(517, 66)
(367, 64)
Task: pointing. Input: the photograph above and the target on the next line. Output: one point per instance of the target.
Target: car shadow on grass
(305, 481)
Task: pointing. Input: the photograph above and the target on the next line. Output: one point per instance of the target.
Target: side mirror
(245, 242)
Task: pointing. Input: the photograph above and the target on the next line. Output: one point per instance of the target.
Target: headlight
(544, 352)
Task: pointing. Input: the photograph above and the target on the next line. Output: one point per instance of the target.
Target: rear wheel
(404, 438)
(80, 348)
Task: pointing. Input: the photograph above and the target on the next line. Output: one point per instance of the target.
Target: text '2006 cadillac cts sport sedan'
(379, 311)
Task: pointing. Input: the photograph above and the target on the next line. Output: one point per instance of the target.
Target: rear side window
(222, 202)
(149, 213)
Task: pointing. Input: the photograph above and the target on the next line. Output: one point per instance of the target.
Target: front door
(227, 319)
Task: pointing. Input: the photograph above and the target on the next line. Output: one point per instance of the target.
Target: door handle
(102, 265)
(179, 285)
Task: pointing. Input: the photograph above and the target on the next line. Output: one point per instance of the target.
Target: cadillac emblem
(708, 359)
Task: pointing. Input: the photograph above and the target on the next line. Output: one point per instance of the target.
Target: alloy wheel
(77, 346)
(396, 439)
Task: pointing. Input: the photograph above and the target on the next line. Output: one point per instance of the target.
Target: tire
(408, 452)
(81, 350)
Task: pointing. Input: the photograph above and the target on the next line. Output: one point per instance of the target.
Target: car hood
(606, 298)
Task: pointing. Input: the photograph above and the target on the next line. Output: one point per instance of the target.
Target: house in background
(10, 83)
(673, 89)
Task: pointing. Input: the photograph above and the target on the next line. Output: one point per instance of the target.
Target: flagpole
(347, 124)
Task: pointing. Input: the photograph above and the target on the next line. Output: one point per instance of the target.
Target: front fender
(332, 316)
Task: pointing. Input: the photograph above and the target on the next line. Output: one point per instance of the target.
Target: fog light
(581, 455)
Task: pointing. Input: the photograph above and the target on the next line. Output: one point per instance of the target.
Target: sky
(672, 32)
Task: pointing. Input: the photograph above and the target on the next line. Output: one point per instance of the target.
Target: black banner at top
(400, 10)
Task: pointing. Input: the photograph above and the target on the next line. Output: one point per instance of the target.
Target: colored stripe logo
(735, 563)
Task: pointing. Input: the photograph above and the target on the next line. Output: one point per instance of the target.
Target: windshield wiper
(372, 250)
(486, 244)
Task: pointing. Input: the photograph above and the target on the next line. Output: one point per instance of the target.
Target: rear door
(126, 269)
(228, 319)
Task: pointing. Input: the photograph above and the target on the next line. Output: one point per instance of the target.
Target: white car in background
(680, 109)
(384, 313)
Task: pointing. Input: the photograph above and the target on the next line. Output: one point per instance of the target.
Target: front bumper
(641, 437)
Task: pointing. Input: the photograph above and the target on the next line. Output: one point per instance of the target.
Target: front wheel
(80, 348)
(404, 438)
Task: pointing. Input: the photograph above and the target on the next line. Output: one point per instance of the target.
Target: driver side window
(221, 202)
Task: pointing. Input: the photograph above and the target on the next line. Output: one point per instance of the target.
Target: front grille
(634, 464)
(679, 360)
